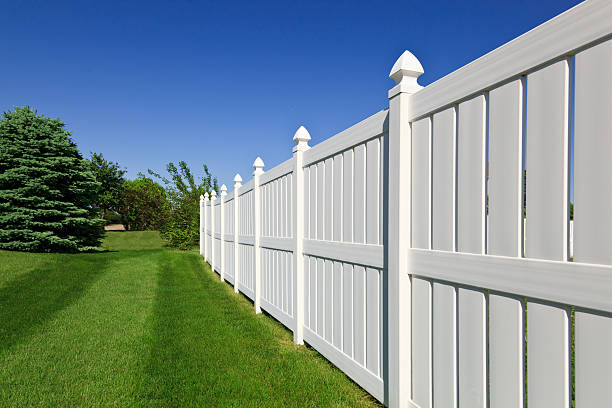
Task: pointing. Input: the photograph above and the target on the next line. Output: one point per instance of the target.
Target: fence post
(301, 139)
(222, 233)
(237, 185)
(202, 225)
(258, 166)
(405, 73)
(213, 197)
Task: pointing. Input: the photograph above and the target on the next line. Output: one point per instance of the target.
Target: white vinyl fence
(399, 249)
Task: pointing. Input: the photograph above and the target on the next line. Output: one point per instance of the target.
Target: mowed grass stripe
(148, 326)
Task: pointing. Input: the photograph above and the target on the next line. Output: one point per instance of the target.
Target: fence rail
(428, 251)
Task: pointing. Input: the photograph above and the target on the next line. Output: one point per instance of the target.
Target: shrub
(46, 188)
(143, 204)
(182, 230)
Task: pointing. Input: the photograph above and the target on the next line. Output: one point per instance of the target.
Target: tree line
(54, 200)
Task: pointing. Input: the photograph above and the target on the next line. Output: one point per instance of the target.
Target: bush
(111, 218)
(46, 188)
(143, 204)
(182, 230)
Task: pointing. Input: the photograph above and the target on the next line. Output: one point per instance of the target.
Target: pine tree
(46, 188)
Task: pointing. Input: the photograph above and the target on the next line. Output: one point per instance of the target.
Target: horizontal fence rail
(453, 250)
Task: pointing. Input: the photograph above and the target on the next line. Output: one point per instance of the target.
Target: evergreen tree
(110, 176)
(46, 188)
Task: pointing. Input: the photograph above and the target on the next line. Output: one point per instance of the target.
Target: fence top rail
(368, 128)
(282, 169)
(580, 26)
(246, 187)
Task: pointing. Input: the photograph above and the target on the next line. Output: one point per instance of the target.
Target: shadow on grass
(32, 299)
(207, 348)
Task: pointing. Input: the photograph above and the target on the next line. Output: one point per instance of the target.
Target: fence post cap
(201, 197)
(237, 179)
(258, 165)
(301, 138)
(405, 72)
(213, 195)
(206, 196)
(223, 190)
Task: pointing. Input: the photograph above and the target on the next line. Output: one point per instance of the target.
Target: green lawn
(140, 325)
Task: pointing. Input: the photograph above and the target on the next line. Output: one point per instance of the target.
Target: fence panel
(462, 291)
(593, 223)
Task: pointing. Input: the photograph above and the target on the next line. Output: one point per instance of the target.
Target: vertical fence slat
(470, 171)
(328, 300)
(472, 333)
(320, 200)
(347, 309)
(359, 194)
(312, 296)
(359, 337)
(546, 140)
(372, 191)
(444, 346)
(505, 351)
(320, 299)
(593, 223)
(312, 208)
(347, 196)
(307, 292)
(505, 169)
(338, 203)
(337, 305)
(420, 183)
(421, 343)
(547, 355)
(443, 181)
(372, 304)
(329, 196)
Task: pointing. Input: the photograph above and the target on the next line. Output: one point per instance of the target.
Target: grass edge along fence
(398, 248)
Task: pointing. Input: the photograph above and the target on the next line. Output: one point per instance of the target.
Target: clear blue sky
(220, 83)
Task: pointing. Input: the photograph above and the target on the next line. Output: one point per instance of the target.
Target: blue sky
(220, 83)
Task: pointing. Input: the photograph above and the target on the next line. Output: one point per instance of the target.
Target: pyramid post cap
(213, 194)
(201, 196)
(406, 65)
(206, 195)
(223, 188)
(237, 178)
(258, 163)
(301, 135)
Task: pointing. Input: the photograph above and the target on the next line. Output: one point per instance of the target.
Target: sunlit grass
(141, 325)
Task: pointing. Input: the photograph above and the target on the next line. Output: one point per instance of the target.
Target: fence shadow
(32, 299)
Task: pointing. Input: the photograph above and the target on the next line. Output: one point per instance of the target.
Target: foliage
(110, 177)
(182, 229)
(46, 188)
(143, 204)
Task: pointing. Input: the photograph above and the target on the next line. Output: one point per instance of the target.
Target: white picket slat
(420, 183)
(471, 162)
(506, 350)
(444, 345)
(547, 152)
(421, 343)
(472, 339)
(443, 180)
(505, 169)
